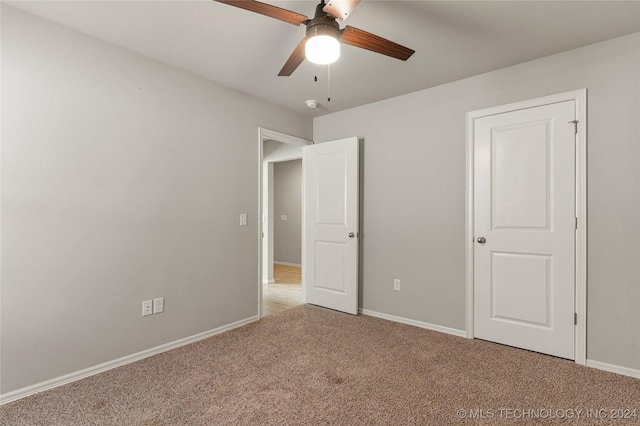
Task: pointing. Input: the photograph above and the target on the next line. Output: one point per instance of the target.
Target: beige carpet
(313, 366)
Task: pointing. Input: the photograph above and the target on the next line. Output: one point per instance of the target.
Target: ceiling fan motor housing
(323, 25)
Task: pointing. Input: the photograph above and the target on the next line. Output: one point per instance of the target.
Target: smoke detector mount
(311, 103)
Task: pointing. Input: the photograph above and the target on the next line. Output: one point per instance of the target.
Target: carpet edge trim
(109, 365)
(426, 325)
(611, 368)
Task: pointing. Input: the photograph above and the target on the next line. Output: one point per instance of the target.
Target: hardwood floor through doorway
(285, 292)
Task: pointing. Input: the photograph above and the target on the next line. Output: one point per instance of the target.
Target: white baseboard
(271, 281)
(625, 371)
(72, 377)
(287, 263)
(433, 327)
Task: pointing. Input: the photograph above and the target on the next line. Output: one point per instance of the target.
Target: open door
(330, 211)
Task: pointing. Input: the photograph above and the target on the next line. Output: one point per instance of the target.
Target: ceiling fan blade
(296, 58)
(340, 9)
(358, 38)
(267, 10)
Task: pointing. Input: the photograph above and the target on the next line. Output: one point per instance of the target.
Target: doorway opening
(280, 235)
(283, 290)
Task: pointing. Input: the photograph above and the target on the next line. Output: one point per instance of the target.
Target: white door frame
(580, 98)
(264, 135)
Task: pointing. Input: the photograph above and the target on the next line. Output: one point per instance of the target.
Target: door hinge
(576, 223)
(263, 235)
(575, 126)
(575, 318)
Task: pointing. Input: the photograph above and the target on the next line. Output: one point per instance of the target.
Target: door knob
(351, 235)
(481, 240)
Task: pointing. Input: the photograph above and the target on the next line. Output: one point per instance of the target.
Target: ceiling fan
(323, 31)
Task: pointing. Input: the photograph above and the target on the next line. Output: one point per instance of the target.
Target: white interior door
(524, 226)
(330, 247)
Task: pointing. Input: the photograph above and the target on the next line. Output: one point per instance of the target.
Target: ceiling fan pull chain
(328, 82)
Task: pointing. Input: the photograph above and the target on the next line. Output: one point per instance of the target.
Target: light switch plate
(396, 284)
(283, 217)
(243, 219)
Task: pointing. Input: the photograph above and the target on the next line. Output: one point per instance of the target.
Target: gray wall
(413, 190)
(287, 197)
(122, 180)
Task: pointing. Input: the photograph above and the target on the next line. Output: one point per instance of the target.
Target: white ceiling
(244, 50)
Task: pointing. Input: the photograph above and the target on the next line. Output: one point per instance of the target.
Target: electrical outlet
(158, 305)
(147, 308)
(396, 284)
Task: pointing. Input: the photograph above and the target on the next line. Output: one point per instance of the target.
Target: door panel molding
(580, 99)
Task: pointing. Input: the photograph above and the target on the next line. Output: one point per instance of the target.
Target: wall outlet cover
(147, 308)
(158, 305)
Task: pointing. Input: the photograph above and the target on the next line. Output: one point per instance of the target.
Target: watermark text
(548, 413)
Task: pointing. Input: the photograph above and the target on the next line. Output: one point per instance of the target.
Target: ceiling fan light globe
(322, 49)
